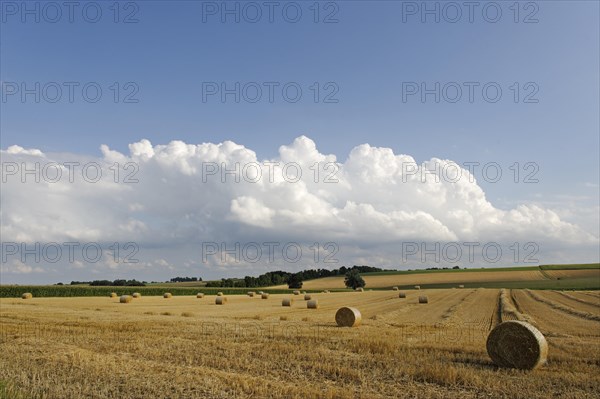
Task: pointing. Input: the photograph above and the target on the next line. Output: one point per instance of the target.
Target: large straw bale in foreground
(348, 317)
(125, 298)
(517, 344)
(313, 304)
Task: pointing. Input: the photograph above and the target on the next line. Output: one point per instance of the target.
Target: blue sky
(367, 55)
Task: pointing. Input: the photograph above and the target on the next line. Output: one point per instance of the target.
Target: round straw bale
(402, 294)
(167, 295)
(360, 289)
(136, 295)
(113, 294)
(395, 288)
(326, 291)
(219, 293)
(260, 292)
(348, 317)
(265, 295)
(125, 298)
(461, 286)
(312, 304)
(27, 295)
(251, 293)
(221, 300)
(417, 287)
(296, 292)
(287, 302)
(200, 295)
(307, 297)
(423, 299)
(517, 344)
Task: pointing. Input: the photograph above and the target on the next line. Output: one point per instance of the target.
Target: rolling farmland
(381, 281)
(573, 276)
(188, 347)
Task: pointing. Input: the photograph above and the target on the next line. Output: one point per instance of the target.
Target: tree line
(293, 280)
(278, 277)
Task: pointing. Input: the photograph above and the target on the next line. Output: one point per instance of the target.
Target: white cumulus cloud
(170, 198)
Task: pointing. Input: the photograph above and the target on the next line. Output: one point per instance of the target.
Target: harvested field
(587, 297)
(250, 348)
(552, 321)
(575, 302)
(381, 281)
(585, 273)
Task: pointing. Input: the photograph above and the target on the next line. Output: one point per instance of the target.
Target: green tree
(295, 280)
(354, 280)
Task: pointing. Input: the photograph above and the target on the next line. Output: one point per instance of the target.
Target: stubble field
(185, 347)
(577, 275)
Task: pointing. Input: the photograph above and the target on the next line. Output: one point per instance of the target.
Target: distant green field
(582, 266)
(15, 291)
(496, 269)
(196, 284)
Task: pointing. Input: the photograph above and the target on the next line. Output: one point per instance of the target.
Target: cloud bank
(170, 200)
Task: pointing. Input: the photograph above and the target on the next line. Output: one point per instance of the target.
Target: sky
(374, 92)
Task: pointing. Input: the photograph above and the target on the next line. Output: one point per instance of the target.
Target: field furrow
(589, 294)
(410, 310)
(568, 299)
(479, 308)
(570, 337)
(554, 322)
(563, 308)
(510, 309)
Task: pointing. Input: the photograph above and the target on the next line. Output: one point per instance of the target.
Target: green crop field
(581, 266)
(14, 291)
(584, 266)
